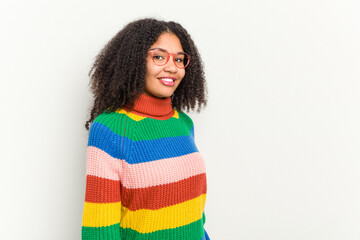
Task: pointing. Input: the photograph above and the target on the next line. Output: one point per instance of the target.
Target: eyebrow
(165, 50)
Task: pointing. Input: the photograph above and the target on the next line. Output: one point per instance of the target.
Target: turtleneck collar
(152, 107)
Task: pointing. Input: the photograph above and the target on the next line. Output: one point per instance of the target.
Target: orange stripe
(102, 190)
(164, 195)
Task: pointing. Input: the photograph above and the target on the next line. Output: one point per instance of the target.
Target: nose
(170, 65)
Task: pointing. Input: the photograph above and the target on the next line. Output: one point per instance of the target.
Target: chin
(164, 96)
(161, 95)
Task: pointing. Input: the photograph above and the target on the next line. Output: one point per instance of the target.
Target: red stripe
(165, 195)
(102, 190)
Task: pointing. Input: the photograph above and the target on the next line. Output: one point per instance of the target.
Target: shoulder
(111, 119)
(111, 123)
(107, 131)
(188, 122)
(186, 119)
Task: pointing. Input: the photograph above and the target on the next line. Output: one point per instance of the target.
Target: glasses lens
(159, 57)
(181, 60)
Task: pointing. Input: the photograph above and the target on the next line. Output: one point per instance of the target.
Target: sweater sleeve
(190, 123)
(102, 207)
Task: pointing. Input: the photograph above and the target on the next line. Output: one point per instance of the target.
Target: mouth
(167, 81)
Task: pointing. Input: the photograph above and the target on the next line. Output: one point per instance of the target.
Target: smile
(167, 81)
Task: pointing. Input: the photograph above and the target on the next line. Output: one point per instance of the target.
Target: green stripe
(192, 231)
(114, 121)
(101, 233)
(148, 127)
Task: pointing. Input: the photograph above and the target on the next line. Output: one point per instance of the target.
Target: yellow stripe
(101, 214)
(131, 115)
(145, 220)
(138, 117)
(176, 114)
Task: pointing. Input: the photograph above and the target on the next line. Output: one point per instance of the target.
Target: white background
(280, 135)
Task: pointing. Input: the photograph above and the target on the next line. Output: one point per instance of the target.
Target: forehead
(169, 42)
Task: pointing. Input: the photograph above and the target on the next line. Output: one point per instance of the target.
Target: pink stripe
(162, 171)
(101, 164)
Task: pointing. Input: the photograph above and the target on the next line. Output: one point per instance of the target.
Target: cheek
(181, 73)
(148, 68)
(152, 70)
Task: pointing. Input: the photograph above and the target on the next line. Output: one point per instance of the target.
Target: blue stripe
(150, 150)
(103, 138)
(192, 131)
(206, 236)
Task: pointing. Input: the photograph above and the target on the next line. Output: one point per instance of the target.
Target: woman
(145, 177)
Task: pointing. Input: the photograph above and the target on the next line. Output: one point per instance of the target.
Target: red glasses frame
(151, 51)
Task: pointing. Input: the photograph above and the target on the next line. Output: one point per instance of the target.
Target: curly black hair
(117, 76)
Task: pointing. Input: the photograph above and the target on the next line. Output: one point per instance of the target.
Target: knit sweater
(145, 178)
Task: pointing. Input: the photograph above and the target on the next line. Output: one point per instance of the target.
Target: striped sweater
(145, 178)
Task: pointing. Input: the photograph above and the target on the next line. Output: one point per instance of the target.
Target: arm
(102, 208)
(192, 133)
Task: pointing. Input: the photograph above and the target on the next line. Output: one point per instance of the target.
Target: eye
(180, 60)
(158, 57)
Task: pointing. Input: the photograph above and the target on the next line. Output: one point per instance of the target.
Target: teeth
(167, 79)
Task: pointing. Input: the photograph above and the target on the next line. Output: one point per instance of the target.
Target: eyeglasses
(161, 57)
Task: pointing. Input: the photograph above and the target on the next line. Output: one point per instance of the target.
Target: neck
(152, 107)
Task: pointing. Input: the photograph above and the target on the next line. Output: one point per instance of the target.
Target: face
(156, 76)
